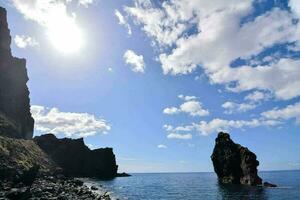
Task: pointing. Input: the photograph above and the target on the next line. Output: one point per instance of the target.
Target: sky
(157, 80)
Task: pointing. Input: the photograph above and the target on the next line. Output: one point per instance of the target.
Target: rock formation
(76, 159)
(15, 117)
(234, 163)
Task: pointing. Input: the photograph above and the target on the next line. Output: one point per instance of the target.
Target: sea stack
(234, 163)
(15, 117)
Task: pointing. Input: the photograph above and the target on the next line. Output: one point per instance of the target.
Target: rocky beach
(50, 187)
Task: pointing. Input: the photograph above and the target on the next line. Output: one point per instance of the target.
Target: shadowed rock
(15, 117)
(76, 159)
(234, 163)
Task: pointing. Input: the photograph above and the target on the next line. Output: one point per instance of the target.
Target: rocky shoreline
(47, 187)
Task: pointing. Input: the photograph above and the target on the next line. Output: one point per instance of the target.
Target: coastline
(48, 187)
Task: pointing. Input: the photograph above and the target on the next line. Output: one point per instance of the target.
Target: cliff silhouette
(15, 117)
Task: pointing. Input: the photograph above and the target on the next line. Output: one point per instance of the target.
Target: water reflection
(238, 192)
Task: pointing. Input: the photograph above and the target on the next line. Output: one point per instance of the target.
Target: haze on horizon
(156, 80)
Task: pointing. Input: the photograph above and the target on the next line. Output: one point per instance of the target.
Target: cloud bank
(70, 124)
(213, 35)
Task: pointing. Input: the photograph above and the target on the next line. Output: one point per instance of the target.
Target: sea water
(198, 186)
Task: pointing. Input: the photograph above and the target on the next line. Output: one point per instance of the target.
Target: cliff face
(234, 163)
(78, 160)
(15, 117)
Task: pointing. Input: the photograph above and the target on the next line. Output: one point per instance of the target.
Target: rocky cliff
(76, 159)
(15, 116)
(234, 163)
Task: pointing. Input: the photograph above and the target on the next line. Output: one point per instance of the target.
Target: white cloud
(162, 146)
(289, 112)
(23, 41)
(183, 128)
(179, 136)
(123, 22)
(217, 125)
(156, 23)
(135, 61)
(295, 7)
(168, 127)
(190, 106)
(194, 108)
(52, 120)
(219, 38)
(171, 110)
(269, 118)
(232, 107)
(172, 130)
(85, 3)
(187, 98)
(257, 96)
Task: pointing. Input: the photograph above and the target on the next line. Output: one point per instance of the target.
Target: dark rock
(267, 184)
(18, 193)
(234, 163)
(105, 196)
(28, 176)
(123, 174)
(15, 117)
(78, 182)
(94, 188)
(76, 159)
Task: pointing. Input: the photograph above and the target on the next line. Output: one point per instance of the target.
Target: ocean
(198, 186)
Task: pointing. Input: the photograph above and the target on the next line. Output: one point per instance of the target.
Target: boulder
(123, 174)
(15, 117)
(28, 176)
(234, 163)
(94, 188)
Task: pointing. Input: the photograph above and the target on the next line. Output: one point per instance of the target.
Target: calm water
(197, 186)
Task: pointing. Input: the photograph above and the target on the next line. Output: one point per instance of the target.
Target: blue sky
(157, 81)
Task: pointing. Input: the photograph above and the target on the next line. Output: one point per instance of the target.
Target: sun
(65, 35)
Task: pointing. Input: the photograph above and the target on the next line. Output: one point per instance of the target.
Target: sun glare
(65, 35)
